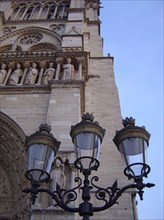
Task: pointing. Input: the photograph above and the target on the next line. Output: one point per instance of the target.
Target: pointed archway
(12, 168)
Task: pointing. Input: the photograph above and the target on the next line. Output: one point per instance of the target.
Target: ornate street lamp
(132, 141)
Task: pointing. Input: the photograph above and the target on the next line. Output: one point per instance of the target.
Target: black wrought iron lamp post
(132, 141)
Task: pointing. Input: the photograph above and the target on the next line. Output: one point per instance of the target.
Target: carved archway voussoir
(12, 125)
(12, 150)
(12, 161)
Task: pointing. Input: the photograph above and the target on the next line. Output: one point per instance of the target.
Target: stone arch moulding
(12, 167)
(43, 47)
(8, 48)
(10, 125)
(56, 38)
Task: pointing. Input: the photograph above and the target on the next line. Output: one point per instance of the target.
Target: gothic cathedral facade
(52, 70)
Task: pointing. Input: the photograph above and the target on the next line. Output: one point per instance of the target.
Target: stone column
(47, 11)
(63, 11)
(24, 13)
(73, 171)
(55, 11)
(42, 65)
(58, 68)
(16, 14)
(32, 13)
(26, 65)
(11, 66)
(80, 70)
(39, 13)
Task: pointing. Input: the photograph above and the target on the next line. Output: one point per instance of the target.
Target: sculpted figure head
(18, 66)
(58, 162)
(51, 64)
(34, 65)
(68, 60)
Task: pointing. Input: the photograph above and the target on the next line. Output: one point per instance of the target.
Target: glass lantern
(132, 142)
(87, 137)
(41, 149)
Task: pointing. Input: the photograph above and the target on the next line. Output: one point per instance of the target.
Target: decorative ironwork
(130, 173)
(93, 164)
(130, 141)
(108, 196)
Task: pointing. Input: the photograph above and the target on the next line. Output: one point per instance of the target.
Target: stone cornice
(26, 56)
(72, 54)
(66, 83)
(5, 90)
(36, 21)
(76, 10)
(93, 22)
(41, 89)
(30, 55)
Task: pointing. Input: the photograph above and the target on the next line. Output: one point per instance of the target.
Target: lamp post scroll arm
(58, 200)
(139, 185)
(112, 199)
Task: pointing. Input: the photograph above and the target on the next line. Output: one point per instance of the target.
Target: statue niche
(15, 75)
(61, 174)
(57, 173)
(49, 73)
(2, 72)
(68, 70)
(32, 75)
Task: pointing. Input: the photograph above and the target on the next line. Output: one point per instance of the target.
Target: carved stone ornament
(30, 39)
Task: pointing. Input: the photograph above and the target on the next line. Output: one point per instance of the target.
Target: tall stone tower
(53, 70)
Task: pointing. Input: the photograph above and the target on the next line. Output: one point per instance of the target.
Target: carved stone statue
(32, 75)
(2, 72)
(49, 74)
(14, 78)
(68, 70)
(58, 173)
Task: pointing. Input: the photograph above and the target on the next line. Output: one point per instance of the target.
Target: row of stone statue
(33, 75)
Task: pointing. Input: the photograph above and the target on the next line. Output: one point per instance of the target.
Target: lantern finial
(88, 117)
(45, 128)
(128, 121)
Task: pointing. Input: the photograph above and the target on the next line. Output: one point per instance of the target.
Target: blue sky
(133, 32)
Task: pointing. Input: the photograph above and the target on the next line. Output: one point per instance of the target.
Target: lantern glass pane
(134, 152)
(40, 157)
(87, 145)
